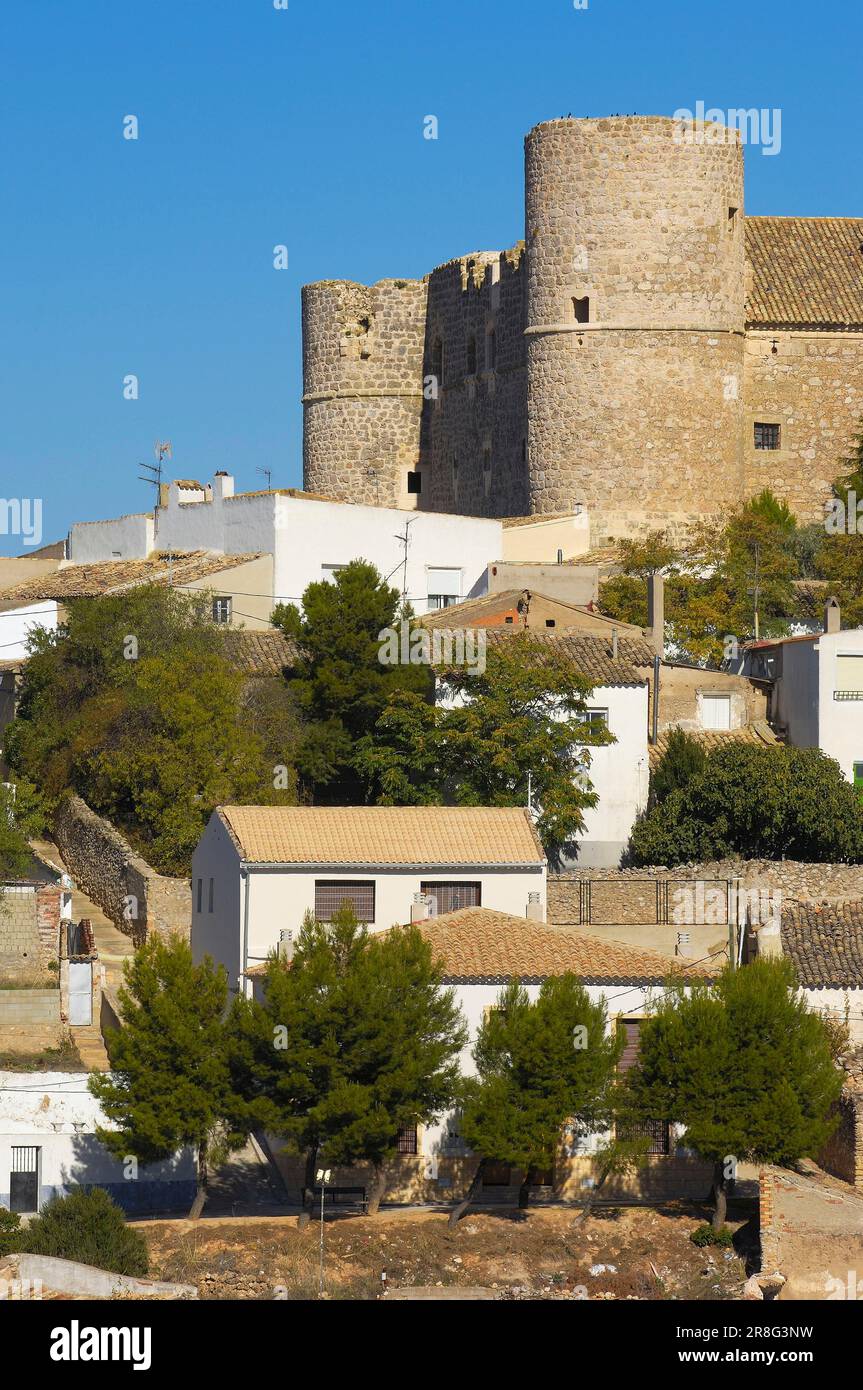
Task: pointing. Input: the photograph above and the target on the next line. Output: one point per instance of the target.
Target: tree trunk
(201, 1185)
(719, 1194)
(376, 1190)
(308, 1186)
(592, 1196)
(461, 1207)
(524, 1190)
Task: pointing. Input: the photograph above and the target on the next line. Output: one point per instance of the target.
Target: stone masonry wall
(29, 930)
(111, 873)
(842, 1155)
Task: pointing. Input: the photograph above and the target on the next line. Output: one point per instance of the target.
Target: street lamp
(323, 1176)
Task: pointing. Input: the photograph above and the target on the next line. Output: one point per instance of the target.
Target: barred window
(222, 609)
(329, 897)
(452, 896)
(766, 436)
(406, 1142)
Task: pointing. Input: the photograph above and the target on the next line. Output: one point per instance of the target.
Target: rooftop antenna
(405, 541)
(162, 449)
(268, 474)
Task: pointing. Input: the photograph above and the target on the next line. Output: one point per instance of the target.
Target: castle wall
(639, 409)
(362, 374)
(474, 436)
(812, 387)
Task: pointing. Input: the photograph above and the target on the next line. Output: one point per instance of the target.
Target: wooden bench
(333, 1196)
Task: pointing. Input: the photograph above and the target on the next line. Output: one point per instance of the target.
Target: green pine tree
(169, 1083)
(744, 1065)
(540, 1065)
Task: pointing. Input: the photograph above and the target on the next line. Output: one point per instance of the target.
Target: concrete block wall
(22, 1007)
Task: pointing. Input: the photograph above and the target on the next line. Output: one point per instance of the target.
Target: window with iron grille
(24, 1179)
(451, 897)
(221, 610)
(406, 1143)
(329, 897)
(766, 436)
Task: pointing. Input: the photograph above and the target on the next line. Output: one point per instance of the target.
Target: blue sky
(304, 127)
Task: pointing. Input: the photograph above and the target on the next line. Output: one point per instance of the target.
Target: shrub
(10, 1232)
(705, 1235)
(89, 1227)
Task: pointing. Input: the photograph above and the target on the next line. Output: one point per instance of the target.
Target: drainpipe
(244, 964)
(654, 729)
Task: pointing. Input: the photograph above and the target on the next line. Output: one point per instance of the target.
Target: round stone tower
(362, 389)
(635, 318)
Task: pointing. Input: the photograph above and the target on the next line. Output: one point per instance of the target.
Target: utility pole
(324, 1175)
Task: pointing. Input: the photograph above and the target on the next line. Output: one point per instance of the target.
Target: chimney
(223, 485)
(419, 908)
(768, 938)
(832, 615)
(534, 911)
(656, 612)
(286, 945)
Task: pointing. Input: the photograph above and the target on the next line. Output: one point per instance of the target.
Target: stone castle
(647, 351)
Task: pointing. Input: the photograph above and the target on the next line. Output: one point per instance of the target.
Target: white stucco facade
(16, 624)
(818, 693)
(309, 539)
(239, 909)
(619, 773)
(49, 1119)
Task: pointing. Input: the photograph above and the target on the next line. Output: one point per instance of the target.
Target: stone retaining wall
(129, 891)
(842, 1155)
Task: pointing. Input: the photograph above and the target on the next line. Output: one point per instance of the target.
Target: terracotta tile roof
(264, 652)
(113, 576)
(490, 608)
(384, 835)
(758, 733)
(805, 270)
(590, 656)
(825, 942)
(481, 945)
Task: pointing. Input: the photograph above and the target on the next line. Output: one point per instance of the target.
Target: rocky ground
(627, 1253)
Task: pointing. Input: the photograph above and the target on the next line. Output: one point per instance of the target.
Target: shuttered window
(329, 897)
(450, 897)
(849, 675)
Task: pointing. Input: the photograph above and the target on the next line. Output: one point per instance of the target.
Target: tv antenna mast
(162, 449)
(268, 474)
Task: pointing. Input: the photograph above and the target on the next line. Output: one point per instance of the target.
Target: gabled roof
(482, 946)
(805, 271)
(490, 609)
(114, 576)
(592, 657)
(384, 836)
(825, 942)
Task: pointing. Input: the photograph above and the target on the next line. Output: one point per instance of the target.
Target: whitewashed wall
(17, 623)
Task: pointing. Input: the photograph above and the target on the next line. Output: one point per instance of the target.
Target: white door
(716, 711)
(80, 992)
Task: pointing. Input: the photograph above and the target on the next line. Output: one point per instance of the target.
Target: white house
(825, 943)
(48, 1147)
(258, 869)
(619, 772)
(818, 689)
(310, 538)
(19, 621)
(480, 951)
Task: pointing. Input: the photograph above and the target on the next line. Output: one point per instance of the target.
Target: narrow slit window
(581, 309)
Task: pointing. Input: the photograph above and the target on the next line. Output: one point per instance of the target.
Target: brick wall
(129, 891)
(768, 1232)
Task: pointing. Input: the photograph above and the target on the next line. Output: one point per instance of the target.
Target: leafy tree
(743, 1065)
(134, 705)
(341, 685)
(518, 718)
(169, 1083)
(540, 1065)
(21, 817)
(682, 760)
(764, 802)
(90, 1227)
(355, 1039)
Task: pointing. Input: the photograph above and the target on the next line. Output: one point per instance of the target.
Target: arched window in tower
(581, 309)
(471, 355)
